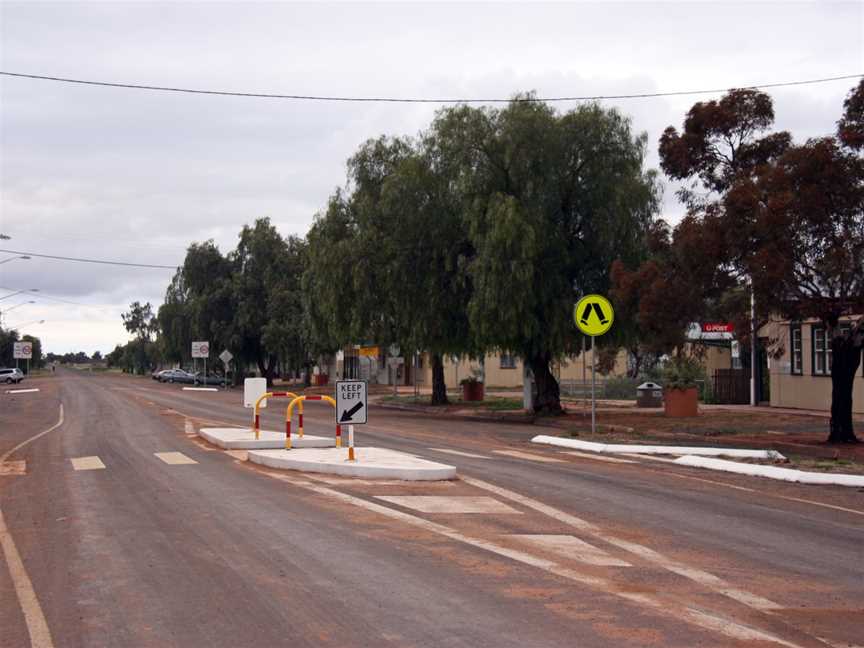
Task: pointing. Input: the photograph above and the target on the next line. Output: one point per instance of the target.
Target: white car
(10, 376)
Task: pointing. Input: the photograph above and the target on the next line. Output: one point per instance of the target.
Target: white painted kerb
(244, 439)
(377, 463)
(773, 472)
(656, 449)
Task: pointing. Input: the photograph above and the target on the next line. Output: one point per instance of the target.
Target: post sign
(22, 350)
(226, 357)
(593, 315)
(200, 349)
(395, 362)
(711, 331)
(370, 352)
(351, 402)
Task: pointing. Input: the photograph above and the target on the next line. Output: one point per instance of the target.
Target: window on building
(821, 352)
(508, 361)
(797, 351)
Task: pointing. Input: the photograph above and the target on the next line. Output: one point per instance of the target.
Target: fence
(731, 386)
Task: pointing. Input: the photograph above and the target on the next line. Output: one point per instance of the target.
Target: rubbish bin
(649, 394)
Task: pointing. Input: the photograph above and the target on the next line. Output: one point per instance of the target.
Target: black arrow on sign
(347, 414)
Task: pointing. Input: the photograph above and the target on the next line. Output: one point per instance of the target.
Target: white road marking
(753, 490)
(208, 389)
(586, 455)
(87, 463)
(9, 453)
(697, 575)
(13, 468)
(723, 626)
(527, 455)
(572, 547)
(460, 453)
(37, 626)
(174, 458)
(21, 391)
(188, 428)
(441, 504)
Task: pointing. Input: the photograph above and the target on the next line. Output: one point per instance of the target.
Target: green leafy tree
(140, 322)
(550, 200)
(387, 260)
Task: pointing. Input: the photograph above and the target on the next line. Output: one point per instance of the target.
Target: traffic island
(244, 439)
(374, 463)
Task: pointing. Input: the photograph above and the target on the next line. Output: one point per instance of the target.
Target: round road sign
(593, 315)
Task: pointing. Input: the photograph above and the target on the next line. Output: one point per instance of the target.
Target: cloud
(137, 176)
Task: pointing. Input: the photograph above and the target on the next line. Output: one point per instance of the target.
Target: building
(801, 376)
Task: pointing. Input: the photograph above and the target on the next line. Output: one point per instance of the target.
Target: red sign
(717, 327)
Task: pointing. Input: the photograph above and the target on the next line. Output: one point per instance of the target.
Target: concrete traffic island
(244, 439)
(375, 463)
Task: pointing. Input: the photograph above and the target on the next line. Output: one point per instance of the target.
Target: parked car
(157, 375)
(177, 376)
(10, 376)
(210, 379)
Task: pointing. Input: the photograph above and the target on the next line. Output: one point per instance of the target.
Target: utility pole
(752, 345)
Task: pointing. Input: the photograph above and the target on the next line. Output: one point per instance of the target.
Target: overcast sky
(136, 176)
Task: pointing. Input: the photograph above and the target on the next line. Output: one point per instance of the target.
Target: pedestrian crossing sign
(593, 315)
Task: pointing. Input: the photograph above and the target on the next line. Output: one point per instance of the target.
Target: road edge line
(34, 617)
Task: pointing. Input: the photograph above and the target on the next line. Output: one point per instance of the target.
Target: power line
(263, 95)
(100, 261)
(43, 295)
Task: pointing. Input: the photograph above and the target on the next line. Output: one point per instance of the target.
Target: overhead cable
(100, 261)
(336, 98)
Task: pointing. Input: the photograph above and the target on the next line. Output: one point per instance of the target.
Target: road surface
(120, 527)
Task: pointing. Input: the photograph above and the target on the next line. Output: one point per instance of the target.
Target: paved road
(560, 550)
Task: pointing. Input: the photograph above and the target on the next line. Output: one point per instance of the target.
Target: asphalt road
(562, 550)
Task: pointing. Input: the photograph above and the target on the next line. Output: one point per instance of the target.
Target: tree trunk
(439, 387)
(267, 370)
(548, 399)
(845, 360)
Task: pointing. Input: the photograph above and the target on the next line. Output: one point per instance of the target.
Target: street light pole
(20, 256)
(18, 292)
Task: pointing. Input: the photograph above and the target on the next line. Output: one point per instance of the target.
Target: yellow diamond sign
(593, 315)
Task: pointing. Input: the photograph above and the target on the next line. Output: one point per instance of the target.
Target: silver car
(10, 376)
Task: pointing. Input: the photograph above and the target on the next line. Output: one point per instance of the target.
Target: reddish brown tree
(789, 218)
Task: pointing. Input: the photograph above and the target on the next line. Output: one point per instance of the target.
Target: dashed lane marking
(588, 455)
(13, 468)
(572, 547)
(439, 504)
(87, 463)
(527, 455)
(174, 458)
(21, 391)
(460, 453)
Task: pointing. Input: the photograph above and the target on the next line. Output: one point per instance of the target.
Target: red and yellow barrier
(274, 394)
(298, 400)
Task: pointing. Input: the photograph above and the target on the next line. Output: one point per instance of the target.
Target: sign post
(23, 351)
(351, 407)
(201, 350)
(593, 315)
(226, 357)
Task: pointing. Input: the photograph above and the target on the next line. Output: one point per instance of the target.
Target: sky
(136, 176)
